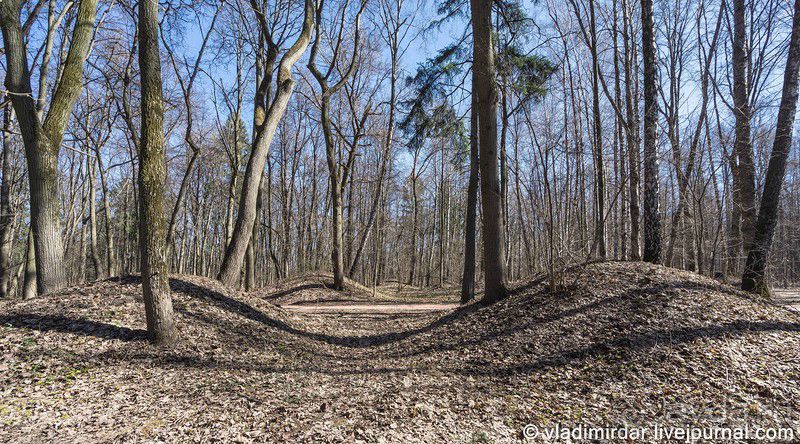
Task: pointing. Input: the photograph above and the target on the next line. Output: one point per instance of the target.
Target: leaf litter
(620, 344)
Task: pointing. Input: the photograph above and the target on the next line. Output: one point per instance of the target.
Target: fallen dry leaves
(623, 343)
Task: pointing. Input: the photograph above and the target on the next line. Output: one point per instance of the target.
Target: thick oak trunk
(42, 139)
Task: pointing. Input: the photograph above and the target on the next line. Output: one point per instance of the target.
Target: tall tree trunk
(743, 146)
(29, 282)
(597, 145)
(111, 267)
(652, 223)
(471, 215)
(632, 137)
(338, 174)
(42, 139)
(260, 99)
(94, 250)
(504, 162)
(414, 225)
(337, 185)
(620, 239)
(231, 268)
(485, 87)
(754, 278)
(6, 213)
(152, 180)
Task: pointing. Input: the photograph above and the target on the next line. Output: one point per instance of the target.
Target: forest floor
(619, 344)
(381, 308)
(788, 297)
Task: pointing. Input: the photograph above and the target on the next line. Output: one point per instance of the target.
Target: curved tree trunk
(230, 271)
(754, 278)
(42, 139)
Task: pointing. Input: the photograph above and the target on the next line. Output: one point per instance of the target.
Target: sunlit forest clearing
(399, 221)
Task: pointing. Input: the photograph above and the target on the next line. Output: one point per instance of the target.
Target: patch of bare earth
(316, 288)
(623, 343)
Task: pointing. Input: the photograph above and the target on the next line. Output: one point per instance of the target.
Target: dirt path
(789, 297)
(369, 308)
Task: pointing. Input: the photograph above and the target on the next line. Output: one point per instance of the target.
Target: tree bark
(632, 137)
(597, 145)
(743, 146)
(230, 271)
(471, 215)
(414, 224)
(94, 250)
(486, 90)
(29, 282)
(152, 178)
(42, 140)
(754, 277)
(652, 223)
(6, 213)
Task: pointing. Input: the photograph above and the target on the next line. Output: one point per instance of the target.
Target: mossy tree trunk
(231, 269)
(152, 183)
(42, 138)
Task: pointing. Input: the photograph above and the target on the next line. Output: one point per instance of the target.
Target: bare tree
(744, 170)
(754, 278)
(152, 179)
(338, 173)
(652, 222)
(42, 138)
(395, 28)
(231, 268)
(187, 85)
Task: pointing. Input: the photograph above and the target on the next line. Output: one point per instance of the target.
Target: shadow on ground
(468, 327)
